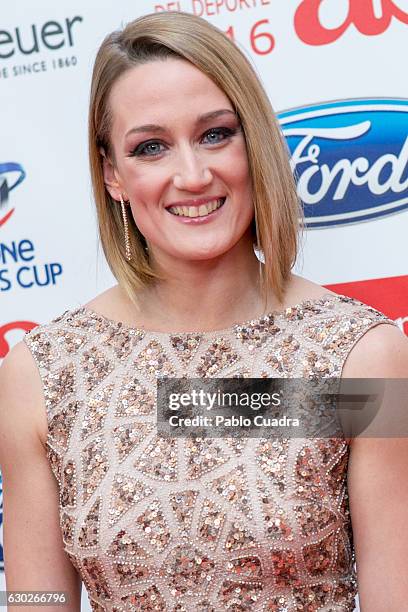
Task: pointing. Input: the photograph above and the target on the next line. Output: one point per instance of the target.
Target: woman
(189, 170)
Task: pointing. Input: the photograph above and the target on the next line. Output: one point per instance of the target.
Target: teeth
(203, 210)
(196, 211)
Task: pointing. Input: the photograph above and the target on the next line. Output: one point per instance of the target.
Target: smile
(197, 211)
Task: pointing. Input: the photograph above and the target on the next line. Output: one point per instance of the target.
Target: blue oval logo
(350, 159)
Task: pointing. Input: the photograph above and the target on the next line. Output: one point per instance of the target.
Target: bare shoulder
(22, 405)
(104, 299)
(111, 304)
(382, 352)
(300, 289)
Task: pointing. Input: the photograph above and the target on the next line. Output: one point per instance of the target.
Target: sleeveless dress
(198, 524)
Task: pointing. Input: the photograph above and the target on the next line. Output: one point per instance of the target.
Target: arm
(33, 546)
(378, 483)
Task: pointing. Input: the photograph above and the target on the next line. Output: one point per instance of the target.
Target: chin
(194, 251)
(210, 251)
(206, 256)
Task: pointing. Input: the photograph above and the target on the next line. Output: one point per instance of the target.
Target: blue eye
(217, 132)
(152, 148)
(147, 149)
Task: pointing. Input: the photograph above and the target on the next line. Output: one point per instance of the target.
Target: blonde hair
(276, 204)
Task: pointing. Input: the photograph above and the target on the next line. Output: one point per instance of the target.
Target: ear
(112, 181)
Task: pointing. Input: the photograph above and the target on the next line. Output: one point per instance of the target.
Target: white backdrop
(307, 53)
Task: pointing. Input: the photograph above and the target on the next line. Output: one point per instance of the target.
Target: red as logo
(361, 14)
(6, 217)
(23, 325)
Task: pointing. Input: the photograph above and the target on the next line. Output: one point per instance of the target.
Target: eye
(216, 135)
(147, 149)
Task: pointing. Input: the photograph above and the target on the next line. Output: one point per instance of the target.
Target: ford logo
(350, 159)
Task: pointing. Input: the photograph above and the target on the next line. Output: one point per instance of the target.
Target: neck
(205, 295)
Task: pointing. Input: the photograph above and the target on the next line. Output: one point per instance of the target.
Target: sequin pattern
(189, 524)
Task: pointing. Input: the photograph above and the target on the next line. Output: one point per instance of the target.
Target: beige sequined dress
(197, 525)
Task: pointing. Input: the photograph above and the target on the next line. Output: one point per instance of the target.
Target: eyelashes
(151, 148)
(147, 149)
(222, 131)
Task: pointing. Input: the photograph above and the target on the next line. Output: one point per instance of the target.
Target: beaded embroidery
(205, 525)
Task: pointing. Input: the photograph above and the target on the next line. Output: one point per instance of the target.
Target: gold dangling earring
(126, 228)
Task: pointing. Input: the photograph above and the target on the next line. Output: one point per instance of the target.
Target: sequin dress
(201, 525)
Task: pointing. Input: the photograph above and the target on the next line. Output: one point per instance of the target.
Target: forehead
(163, 89)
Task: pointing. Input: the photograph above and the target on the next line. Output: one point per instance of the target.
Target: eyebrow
(158, 129)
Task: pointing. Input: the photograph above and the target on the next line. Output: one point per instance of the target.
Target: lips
(196, 208)
(195, 201)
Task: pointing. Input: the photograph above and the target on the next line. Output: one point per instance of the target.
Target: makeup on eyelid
(224, 131)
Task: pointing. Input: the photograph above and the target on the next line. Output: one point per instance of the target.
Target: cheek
(237, 167)
(144, 190)
(143, 187)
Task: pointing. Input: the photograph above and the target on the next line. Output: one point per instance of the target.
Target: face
(180, 160)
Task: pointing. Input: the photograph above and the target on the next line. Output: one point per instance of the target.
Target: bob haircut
(277, 208)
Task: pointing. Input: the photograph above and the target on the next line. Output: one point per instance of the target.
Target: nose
(191, 173)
